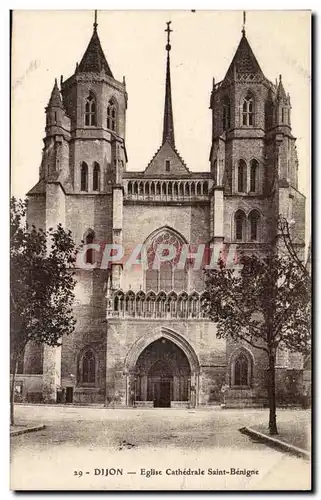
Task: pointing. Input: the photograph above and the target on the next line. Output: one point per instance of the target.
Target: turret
(55, 113)
(282, 106)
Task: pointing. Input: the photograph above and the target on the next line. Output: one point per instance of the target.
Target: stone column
(218, 225)
(117, 232)
(55, 213)
(51, 378)
(144, 388)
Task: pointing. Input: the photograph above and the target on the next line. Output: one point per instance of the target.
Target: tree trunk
(271, 394)
(15, 366)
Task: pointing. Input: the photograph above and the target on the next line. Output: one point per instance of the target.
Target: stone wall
(139, 221)
(200, 335)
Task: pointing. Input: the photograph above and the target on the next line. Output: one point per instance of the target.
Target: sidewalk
(291, 433)
(294, 433)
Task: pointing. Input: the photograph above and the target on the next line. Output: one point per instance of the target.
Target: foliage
(42, 282)
(264, 302)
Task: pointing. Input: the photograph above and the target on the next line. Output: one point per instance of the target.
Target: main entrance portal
(162, 375)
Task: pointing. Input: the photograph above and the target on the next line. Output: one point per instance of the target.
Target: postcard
(160, 250)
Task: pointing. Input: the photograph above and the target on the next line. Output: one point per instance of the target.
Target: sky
(47, 44)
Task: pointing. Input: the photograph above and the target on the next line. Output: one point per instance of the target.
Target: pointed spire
(94, 60)
(168, 127)
(244, 60)
(281, 92)
(55, 98)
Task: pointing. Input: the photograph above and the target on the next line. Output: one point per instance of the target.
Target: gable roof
(157, 165)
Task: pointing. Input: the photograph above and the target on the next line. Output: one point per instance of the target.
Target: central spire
(168, 127)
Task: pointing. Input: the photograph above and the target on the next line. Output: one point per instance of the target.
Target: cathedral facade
(141, 336)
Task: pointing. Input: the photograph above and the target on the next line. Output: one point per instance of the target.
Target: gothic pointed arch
(137, 348)
(96, 176)
(87, 366)
(84, 176)
(91, 110)
(241, 365)
(119, 299)
(88, 239)
(241, 176)
(254, 175)
(254, 219)
(165, 275)
(248, 105)
(239, 226)
(112, 114)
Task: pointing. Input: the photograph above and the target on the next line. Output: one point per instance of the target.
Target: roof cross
(168, 31)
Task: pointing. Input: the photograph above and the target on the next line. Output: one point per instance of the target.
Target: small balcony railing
(153, 305)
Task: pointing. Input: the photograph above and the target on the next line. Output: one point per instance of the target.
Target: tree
(266, 304)
(42, 284)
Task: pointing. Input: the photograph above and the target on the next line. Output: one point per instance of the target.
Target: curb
(26, 431)
(276, 443)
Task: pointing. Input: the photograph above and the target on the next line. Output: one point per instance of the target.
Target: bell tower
(253, 155)
(96, 103)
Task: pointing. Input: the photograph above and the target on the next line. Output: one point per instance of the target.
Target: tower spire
(95, 22)
(168, 127)
(244, 22)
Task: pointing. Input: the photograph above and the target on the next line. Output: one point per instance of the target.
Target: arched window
(129, 301)
(112, 115)
(248, 111)
(239, 221)
(88, 367)
(96, 177)
(90, 111)
(84, 177)
(241, 177)
(254, 176)
(140, 300)
(89, 239)
(119, 301)
(241, 370)
(165, 275)
(226, 113)
(254, 219)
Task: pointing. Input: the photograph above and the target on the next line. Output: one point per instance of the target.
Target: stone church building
(141, 336)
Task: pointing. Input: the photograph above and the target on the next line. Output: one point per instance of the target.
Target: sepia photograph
(160, 250)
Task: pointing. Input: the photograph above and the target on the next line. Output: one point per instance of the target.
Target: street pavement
(150, 449)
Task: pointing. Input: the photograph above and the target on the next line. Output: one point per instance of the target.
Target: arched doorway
(162, 374)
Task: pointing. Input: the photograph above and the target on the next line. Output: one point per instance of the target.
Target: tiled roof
(94, 60)
(244, 60)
